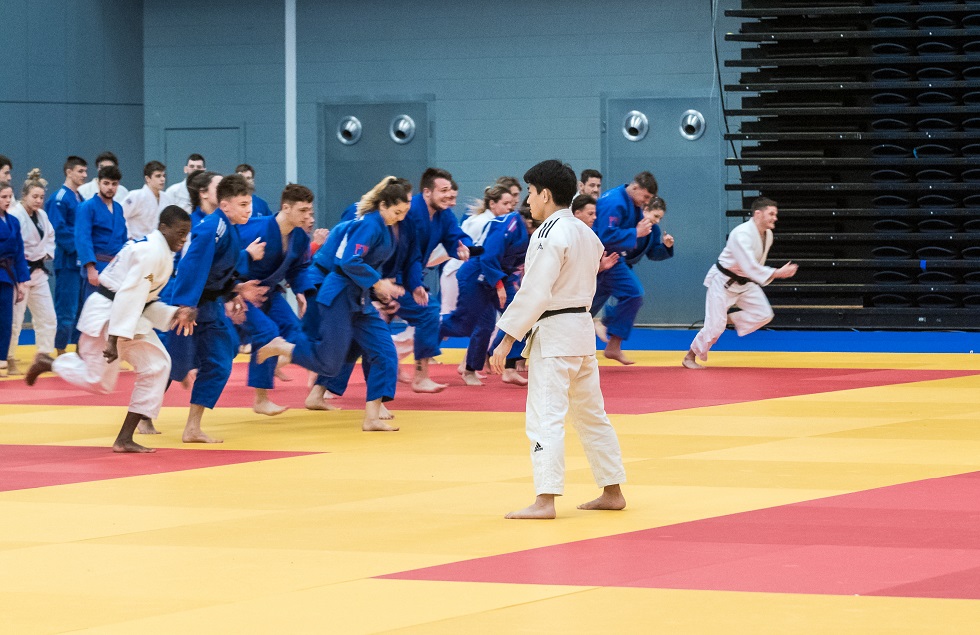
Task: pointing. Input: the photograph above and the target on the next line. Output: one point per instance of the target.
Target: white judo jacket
(745, 255)
(136, 275)
(36, 247)
(559, 273)
(141, 209)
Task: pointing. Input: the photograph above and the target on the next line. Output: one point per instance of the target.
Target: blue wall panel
(72, 83)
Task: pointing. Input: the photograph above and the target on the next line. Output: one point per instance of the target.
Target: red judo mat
(29, 466)
(627, 390)
(919, 539)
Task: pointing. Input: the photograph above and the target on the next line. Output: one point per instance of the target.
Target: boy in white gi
(563, 374)
(737, 280)
(117, 322)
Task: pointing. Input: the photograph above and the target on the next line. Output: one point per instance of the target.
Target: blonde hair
(33, 180)
(390, 190)
(491, 194)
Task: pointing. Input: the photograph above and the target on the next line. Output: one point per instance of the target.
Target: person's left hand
(421, 296)
(463, 252)
(300, 305)
(668, 240)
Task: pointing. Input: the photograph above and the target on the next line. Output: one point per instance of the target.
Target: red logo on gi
(613, 220)
(360, 250)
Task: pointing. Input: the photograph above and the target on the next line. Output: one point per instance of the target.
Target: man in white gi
(142, 207)
(91, 188)
(178, 191)
(563, 374)
(117, 322)
(737, 280)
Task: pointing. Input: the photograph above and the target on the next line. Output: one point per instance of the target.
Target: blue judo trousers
(61, 208)
(13, 271)
(215, 249)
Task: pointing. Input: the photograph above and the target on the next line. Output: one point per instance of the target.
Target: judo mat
(796, 492)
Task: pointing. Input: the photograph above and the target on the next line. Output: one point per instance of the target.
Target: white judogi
(90, 189)
(179, 195)
(37, 292)
(563, 374)
(744, 255)
(472, 226)
(141, 209)
(136, 275)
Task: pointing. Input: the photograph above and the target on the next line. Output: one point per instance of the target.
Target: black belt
(732, 276)
(36, 264)
(211, 296)
(106, 292)
(104, 257)
(573, 309)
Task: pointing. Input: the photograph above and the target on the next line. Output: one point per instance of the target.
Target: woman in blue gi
(13, 269)
(347, 314)
(483, 282)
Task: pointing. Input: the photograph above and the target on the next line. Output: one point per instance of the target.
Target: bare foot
(145, 426)
(42, 364)
(612, 499)
(277, 347)
(281, 374)
(690, 362)
(375, 425)
(245, 349)
(131, 446)
(543, 508)
(618, 356)
(198, 437)
(188, 381)
(315, 400)
(427, 385)
(521, 365)
(384, 414)
(268, 408)
(13, 369)
(404, 376)
(461, 369)
(470, 378)
(600, 330)
(511, 376)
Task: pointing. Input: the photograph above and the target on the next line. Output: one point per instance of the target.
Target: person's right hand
(786, 271)
(386, 289)
(608, 260)
(256, 249)
(251, 291)
(644, 227)
(93, 276)
(502, 295)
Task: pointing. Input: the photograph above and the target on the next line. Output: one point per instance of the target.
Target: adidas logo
(537, 447)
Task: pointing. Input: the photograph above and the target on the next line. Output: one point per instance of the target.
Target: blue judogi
(260, 209)
(13, 270)
(504, 241)
(274, 317)
(615, 224)
(350, 213)
(99, 235)
(346, 314)
(206, 277)
(61, 208)
(442, 228)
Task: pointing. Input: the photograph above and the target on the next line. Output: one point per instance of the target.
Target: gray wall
(72, 83)
(507, 83)
(217, 65)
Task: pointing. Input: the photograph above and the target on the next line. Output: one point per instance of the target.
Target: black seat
(972, 226)
(936, 225)
(935, 252)
(935, 72)
(936, 200)
(972, 277)
(971, 301)
(935, 98)
(937, 277)
(889, 74)
(890, 48)
(934, 175)
(971, 176)
(891, 252)
(935, 21)
(891, 277)
(971, 253)
(891, 201)
(933, 150)
(893, 150)
(891, 99)
(890, 176)
(935, 48)
(936, 300)
(891, 225)
(890, 299)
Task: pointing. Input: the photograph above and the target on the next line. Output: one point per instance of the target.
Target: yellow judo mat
(299, 543)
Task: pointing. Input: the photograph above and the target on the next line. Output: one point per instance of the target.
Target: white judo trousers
(750, 298)
(560, 386)
(37, 298)
(89, 370)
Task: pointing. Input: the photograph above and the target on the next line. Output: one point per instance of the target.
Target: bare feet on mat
(471, 378)
(130, 447)
(277, 347)
(427, 385)
(376, 425)
(543, 508)
(404, 376)
(614, 351)
(461, 369)
(612, 499)
(13, 369)
(42, 364)
(199, 437)
(511, 376)
(691, 362)
(145, 426)
(281, 373)
(316, 400)
(384, 414)
(268, 408)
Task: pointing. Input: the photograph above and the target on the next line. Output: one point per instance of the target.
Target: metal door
(361, 143)
(690, 174)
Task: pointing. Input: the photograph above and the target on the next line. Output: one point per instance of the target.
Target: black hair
(657, 203)
(233, 185)
(74, 161)
(430, 175)
(198, 180)
(762, 202)
(5, 161)
(153, 166)
(110, 172)
(295, 193)
(194, 157)
(244, 167)
(581, 201)
(555, 176)
(174, 214)
(589, 173)
(647, 181)
(106, 156)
